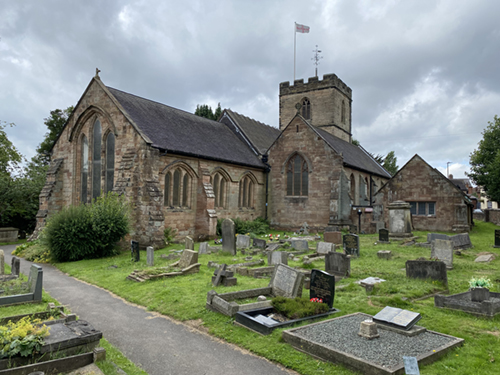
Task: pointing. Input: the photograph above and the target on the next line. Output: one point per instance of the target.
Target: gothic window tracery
(297, 176)
(177, 188)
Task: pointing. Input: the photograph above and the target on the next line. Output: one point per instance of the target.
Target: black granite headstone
(134, 248)
(322, 286)
(383, 235)
(497, 238)
(351, 244)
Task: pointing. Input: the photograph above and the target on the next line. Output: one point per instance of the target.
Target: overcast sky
(425, 74)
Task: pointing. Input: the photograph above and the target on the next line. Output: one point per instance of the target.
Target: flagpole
(294, 48)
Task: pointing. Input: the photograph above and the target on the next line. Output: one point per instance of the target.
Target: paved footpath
(159, 345)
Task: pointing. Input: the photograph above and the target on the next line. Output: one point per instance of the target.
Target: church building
(183, 171)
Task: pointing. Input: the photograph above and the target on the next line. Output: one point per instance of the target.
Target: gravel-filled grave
(337, 340)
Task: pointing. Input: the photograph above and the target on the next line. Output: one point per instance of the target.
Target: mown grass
(184, 298)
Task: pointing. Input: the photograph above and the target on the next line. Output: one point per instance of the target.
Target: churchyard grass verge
(184, 298)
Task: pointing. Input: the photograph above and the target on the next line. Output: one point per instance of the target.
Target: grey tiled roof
(260, 135)
(354, 156)
(181, 132)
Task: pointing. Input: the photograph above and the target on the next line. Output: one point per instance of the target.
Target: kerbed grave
(463, 302)
(33, 289)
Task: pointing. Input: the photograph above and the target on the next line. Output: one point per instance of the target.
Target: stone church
(182, 171)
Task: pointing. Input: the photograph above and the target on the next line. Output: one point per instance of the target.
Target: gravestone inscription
(134, 249)
(286, 282)
(497, 238)
(228, 236)
(351, 244)
(338, 264)
(383, 235)
(322, 286)
(397, 317)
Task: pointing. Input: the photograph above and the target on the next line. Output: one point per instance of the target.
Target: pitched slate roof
(354, 156)
(260, 135)
(181, 132)
(461, 183)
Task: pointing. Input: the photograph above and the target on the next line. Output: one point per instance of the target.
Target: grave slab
(486, 258)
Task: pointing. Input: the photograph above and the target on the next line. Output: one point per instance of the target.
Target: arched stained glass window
(110, 161)
(246, 192)
(96, 160)
(297, 177)
(84, 169)
(177, 188)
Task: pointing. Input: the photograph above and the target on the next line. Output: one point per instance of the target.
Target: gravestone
(333, 237)
(383, 235)
(2, 262)
(228, 236)
(397, 317)
(35, 281)
(277, 257)
(188, 258)
(351, 244)
(242, 241)
(436, 236)
(497, 238)
(485, 258)
(325, 247)
(411, 365)
(384, 254)
(399, 219)
(300, 245)
(443, 250)
(322, 286)
(286, 282)
(134, 249)
(224, 277)
(150, 256)
(203, 248)
(304, 229)
(338, 264)
(274, 246)
(461, 241)
(259, 243)
(332, 228)
(189, 243)
(15, 267)
(427, 269)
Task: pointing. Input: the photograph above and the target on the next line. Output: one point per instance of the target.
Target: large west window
(177, 188)
(297, 177)
(423, 208)
(96, 160)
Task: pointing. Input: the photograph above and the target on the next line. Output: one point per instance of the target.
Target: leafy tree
(390, 163)
(10, 157)
(485, 161)
(205, 110)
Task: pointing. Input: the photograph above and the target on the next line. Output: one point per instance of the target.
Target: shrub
(297, 308)
(256, 227)
(23, 338)
(87, 231)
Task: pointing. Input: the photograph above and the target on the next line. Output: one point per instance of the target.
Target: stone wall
(492, 216)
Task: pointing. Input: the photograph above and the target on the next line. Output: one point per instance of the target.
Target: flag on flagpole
(301, 28)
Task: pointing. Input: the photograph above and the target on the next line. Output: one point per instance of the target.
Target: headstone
(134, 249)
(218, 276)
(274, 246)
(277, 257)
(304, 229)
(383, 235)
(461, 241)
(257, 242)
(399, 219)
(325, 247)
(188, 258)
(286, 282)
(436, 236)
(35, 281)
(322, 286)
(333, 237)
(300, 245)
(15, 267)
(486, 258)
(398, 318)
(427, 269)
(443, 250)
(497, 238)
(150, 256)
(203, 248)
(332, 228)
(2, 262)
(189, 243)
(384, 254)
(242, 241)
(228, 236)
(338, 264)
(351, 244)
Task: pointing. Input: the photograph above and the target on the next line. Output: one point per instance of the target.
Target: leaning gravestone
(189, 243)
(188, 258)
(15, 267)
(228, 236)
(242, 242)
(351, 244)
(35, 281)
(383, 235)
(427, 269)
(324, 247)
(333, 237)
(274, 246)
(461, 241)
(277, 257)
(134, 249)
(322, 286)
(150, 254)
(2, 262)
(203, 248)
(257, 242)
(437, 236)
(443, 250)
(286, 282)
(338, 264)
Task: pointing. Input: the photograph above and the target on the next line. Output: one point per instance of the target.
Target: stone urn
(479, 294)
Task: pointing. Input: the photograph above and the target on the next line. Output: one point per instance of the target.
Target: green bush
(87, 231)
(257, 227)
(296, 308)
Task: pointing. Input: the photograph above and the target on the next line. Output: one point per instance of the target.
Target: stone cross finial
(298, 106)
(97, 71)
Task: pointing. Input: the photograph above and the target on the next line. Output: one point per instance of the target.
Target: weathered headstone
(257, 242)
(228, 236)
(324, 247)
(150, 256)
(286, 282)
(333, 237)
(223, 276)
(203, 248)
(242, 241)
(427, 269)
(443, 250)
(461, 241)
(384, 254)
(277, 257)
(436, 236)
(188, 258)
(15, 267)
(304, 229)
(322, 286)
(300, 245)
(274, 246)
(134, 249)
(35, 282)
(189, 243)
(2, 262)
(383, 235)
(399, 219)
(351, 244)
(338, 264)
(331, 228)
(497, 238)
(218, 276)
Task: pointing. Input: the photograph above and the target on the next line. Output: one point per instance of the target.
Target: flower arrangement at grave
(480, 282)
(317, 300)
(24, 338)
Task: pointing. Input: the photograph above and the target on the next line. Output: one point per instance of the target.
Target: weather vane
(316, 58)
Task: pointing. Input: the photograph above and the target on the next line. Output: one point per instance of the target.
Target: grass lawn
(184, 298)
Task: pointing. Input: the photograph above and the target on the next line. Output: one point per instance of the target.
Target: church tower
(326, 104)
